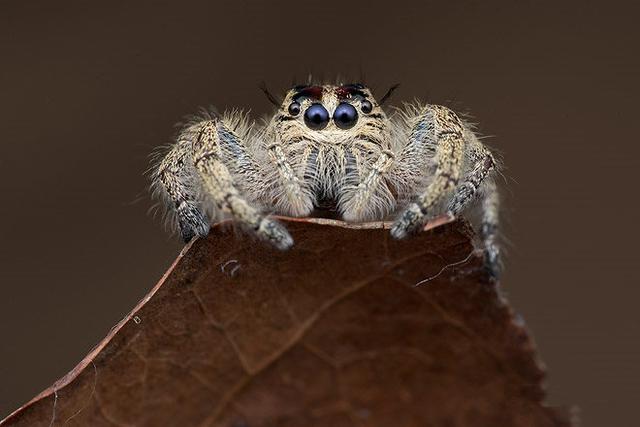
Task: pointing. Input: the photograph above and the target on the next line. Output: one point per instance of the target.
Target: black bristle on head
(389, 93)
(270, 97)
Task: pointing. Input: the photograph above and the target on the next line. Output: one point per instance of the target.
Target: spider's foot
(187, 235)
(492, 261)
(275, 233)
(193, 223)
(410, 219)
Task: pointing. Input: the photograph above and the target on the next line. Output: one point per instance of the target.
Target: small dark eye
(294, 108)
(316, 117)
(366, 106)
(345, 116)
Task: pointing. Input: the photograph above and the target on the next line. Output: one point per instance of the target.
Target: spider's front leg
(216, 154)
(436, 130)
(478, 180)
(178, 180)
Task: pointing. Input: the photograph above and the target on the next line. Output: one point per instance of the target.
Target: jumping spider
(329, 142)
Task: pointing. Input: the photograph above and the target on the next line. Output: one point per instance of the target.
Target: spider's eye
(345, 116)
(366, 106)
(294, 108)
(316, 117)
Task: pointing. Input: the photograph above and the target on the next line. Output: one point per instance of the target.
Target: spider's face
(330, 112)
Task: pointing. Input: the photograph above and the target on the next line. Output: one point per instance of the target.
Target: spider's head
(330, 111)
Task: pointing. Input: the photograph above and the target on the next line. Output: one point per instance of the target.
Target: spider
(329, 143)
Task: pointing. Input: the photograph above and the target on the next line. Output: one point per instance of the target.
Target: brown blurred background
(88, 89)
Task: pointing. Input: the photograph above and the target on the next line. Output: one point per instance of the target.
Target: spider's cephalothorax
(329, 142)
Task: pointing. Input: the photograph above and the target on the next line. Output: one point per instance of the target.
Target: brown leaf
(331, 333)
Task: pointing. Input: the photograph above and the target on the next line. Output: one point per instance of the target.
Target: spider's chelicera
(329, 142)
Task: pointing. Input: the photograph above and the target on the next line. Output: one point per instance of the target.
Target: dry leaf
(331, 333)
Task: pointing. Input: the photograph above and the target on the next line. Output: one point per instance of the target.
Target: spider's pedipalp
(371, 196)
(290, 193)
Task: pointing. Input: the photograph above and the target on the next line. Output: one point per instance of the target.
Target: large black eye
(294, 108)
(366, 106)
(345, 116)
(316, 117)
